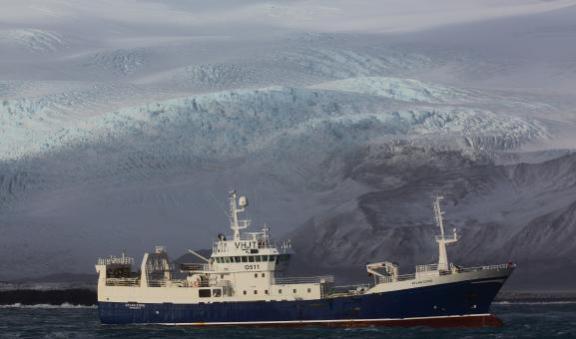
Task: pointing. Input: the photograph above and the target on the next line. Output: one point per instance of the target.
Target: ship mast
(237, 205)
(443, 263)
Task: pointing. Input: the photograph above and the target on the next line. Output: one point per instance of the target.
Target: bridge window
(204, 293)
(244, 259)
(217, 293)
(257, 258)
(250, 259)
(271, 258)
(264, 258)
(237, 259)
(227, 259)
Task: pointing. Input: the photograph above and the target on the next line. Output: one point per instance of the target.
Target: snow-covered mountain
(520, 212)
(122, 129)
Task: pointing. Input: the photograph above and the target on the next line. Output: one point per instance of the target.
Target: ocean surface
(522, 320)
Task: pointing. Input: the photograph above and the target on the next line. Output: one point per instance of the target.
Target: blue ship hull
(464, 303)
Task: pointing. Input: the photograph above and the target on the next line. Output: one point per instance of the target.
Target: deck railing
(354, 287)
(116, 260)
(402, 277)
(434, 268)
(164, 283)
(123, 282)
(304, 280)
(194, 267)
(426, 268)
(483, 268)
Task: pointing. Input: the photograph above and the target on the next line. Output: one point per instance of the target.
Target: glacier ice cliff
(123, 137)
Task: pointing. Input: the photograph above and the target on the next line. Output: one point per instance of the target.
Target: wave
(47, 306)
(513, 303)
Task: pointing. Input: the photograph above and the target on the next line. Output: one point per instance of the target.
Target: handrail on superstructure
(427, 268)
(112, 260)
(195, 267)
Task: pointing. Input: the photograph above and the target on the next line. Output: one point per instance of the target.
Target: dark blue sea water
(522, 320)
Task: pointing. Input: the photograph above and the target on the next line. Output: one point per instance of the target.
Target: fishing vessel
(243, 283)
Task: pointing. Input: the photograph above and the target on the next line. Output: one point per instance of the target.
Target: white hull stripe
(321, 321)
(489, 281)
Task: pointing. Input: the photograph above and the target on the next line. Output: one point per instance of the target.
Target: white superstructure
(246, 267)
